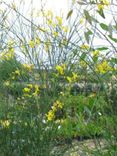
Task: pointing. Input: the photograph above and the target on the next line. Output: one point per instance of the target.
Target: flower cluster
(28, 67)
(33, 43)
(103, 67)
(15, 74)
(31, 90)
(61, 69)
(51, 114)
(5, 123)
(73, 78)
(84, 46)
(102, 4)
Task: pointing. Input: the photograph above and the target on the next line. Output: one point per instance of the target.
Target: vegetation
(56, 84)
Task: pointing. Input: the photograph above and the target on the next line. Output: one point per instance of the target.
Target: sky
(55, 5)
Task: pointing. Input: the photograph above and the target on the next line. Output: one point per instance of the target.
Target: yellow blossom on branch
(6, 83)
(58, 104)
(50, 115)
(61, 69)
(59, 20)
(28, 67)
(105, 2)
(17, 72)
(5, 123)
(55, 34)
(102, 4)
(84, 46)
(96, 53)
(31, 44)
(103, 67)
(26, 90)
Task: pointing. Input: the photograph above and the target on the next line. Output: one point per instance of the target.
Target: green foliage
(26, 133)
(7, 67)
(82, 115)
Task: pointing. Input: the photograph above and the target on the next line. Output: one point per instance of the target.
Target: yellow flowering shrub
(72, 78)
(61, 69)
(7, 55)
(103, 67)
(28, 67)
(51, 114)
(35, 42)
(26, 90)
(31, 90)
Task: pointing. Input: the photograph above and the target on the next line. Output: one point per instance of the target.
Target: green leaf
(102, 48)
(69, 14)
(104, 26)
(101, 13)
(83, 56)
(88, 17)
(112, 38)
(115, 26)
(87, 35)
(110, 29)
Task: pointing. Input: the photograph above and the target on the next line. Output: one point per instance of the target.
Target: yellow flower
(59, 20)
(30, 86)
(81, 21)
(31, 43)
(11, 43)
(69, 79)
(36, 90)
(54, 108)
(11, 50)
(49, 22)
(13, 77)
(65, 29)
(103, 67)
(59, 104)
(60, 69)
(54, 25)
(50, 115)
(105, 2)
(49, 14)
(84, 46)
(26, 90)
(83, 64)
(17, 72)
(75, 76)
(37, 41)
(7, 55)
(28, 67)
(6, 83)
(96, 53)
(100, 7)
(92, 95)
(102, 4)
(55, 34)
(5, 123)
(13, 6)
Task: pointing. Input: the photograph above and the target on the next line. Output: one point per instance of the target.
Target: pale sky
(54, 5)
